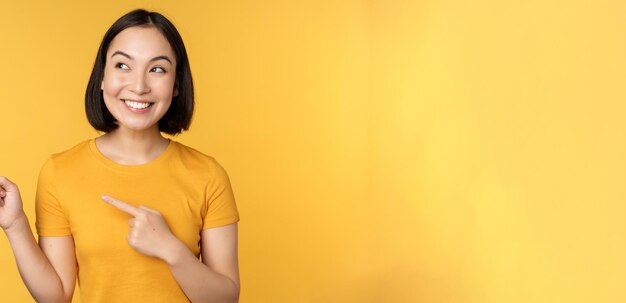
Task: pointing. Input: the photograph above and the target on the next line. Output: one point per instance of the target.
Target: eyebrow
(163, 57)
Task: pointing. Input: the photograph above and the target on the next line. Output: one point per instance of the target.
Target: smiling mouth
(137, 104)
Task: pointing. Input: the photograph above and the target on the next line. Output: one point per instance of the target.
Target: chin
(138, 128)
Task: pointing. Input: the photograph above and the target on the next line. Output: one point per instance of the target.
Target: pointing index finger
(123, 206)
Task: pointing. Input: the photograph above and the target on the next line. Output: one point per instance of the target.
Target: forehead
(141, 42)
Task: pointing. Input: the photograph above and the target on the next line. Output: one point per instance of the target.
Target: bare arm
(216, 279)
(49, 271)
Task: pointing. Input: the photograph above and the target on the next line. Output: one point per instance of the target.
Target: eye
(121, 66)
(158, 69)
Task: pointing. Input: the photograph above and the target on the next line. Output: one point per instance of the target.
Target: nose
(139, 85)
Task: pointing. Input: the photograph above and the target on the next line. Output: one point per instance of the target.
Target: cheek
(164, 88)
(111, 85)
(167, 84)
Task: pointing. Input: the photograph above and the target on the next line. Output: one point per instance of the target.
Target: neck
(129, 147)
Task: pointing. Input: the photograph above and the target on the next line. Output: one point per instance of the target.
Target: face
(139, 78)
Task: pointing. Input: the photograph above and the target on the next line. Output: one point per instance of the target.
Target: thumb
(7, 185)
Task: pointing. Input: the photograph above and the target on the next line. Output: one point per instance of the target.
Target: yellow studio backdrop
(380, 151)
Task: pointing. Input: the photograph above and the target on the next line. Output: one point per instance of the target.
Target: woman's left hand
(148, 232)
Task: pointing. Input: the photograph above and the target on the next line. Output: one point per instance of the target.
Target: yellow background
(380, 151)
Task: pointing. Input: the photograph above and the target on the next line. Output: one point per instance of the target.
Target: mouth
(137, 104)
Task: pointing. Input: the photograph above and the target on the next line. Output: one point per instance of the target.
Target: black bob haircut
(178, 116)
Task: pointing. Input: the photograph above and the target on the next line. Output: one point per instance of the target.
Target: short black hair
(178, 116)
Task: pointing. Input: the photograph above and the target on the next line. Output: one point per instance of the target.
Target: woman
(130, 213)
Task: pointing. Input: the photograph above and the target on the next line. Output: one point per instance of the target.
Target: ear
(102, 85)
(175, 89)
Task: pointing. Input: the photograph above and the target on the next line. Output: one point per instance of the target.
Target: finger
(154, 211)
(6, 184)
(123, 206)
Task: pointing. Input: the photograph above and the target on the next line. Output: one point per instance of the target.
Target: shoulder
(72, 154)
(197, 163)
(64, 159)
(189, 155)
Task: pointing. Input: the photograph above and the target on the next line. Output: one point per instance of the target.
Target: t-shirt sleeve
(51, 218)
(220, 201)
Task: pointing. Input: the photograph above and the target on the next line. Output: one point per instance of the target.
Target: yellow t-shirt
(191, 190)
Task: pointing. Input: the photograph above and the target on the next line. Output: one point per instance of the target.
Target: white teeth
(137, 105)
